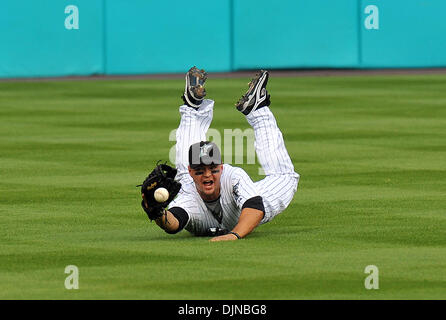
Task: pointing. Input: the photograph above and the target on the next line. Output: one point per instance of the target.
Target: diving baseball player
(209, 198)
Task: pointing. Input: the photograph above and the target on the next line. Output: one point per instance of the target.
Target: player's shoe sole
(256, 96)
(194, 91)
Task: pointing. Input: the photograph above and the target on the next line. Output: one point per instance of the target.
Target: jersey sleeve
(185, 203)
(182, 216)
(243, 188)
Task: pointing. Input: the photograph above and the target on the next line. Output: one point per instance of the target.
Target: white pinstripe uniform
(277, 188)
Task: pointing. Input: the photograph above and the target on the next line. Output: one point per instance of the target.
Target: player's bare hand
(226, 237)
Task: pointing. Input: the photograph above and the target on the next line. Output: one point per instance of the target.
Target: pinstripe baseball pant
(278, 187)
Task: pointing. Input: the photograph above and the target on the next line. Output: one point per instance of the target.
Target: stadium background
(143, 37)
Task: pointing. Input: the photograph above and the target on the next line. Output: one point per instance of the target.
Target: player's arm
(172, 220)
(168, 222)
(250, 217)
(249, 220)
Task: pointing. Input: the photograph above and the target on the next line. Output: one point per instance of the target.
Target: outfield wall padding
(167, 36)
(85, 37)
(412, 33)
(295, 34)
(35, 42)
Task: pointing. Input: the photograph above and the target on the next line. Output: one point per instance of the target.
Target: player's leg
(280, 183)
(196, 117)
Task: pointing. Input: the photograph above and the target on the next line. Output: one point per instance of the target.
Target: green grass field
(371, 152)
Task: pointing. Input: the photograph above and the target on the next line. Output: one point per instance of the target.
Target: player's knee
(292, 181)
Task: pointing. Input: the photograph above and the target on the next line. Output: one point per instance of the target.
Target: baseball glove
(161, 177)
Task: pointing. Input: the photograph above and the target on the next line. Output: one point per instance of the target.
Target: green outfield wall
(85, 37)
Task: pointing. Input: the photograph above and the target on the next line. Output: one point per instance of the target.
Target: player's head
(205, 168)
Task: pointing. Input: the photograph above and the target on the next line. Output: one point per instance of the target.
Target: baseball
(161, 194)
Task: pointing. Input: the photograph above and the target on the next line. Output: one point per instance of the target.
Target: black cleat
(194, 92)
(256, 96)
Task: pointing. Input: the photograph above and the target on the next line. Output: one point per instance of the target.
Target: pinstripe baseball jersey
(236, 187)
(276, 189)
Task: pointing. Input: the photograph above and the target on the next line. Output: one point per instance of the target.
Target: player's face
(207, 180)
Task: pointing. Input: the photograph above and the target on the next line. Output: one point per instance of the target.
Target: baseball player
(207, 197)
